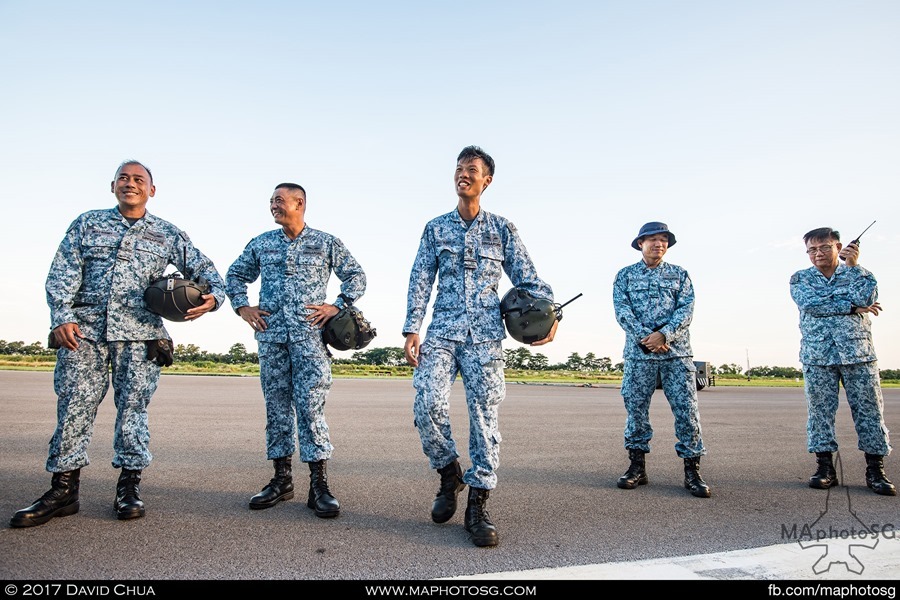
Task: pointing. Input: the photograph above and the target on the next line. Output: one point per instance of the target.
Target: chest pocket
(99, 245)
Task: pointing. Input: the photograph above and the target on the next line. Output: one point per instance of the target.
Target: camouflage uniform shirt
(831, 334)
(103, 265)
(469, 261)
(294, 273)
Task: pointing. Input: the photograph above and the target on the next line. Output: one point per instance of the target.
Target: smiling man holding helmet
(467, 250)
(101, 324)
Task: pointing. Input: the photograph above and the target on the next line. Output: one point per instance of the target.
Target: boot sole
(883, 491)
(323, 514)
(483, 542)
(626, 486)
(262, 505)
(130, 514)
(819, 486)
(698, 493)
(65, 511)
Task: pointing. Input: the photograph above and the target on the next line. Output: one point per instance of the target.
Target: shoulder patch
(510, 226)
(795, 278)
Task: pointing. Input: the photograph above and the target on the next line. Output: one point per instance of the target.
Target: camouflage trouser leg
(295, 382)
(134, 379)
(481, 366)
(312, 382)
(638, 385)
(81, 380)
(862, 385)
(679, 379)
(433, 379)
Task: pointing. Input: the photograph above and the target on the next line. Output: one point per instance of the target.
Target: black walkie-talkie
(856, 241)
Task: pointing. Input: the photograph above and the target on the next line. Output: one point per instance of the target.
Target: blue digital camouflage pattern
(103, 266)
(97, 280)
(296, 379)
(481, 367)
(680, 387)
(659, 299)
(831, 335)
(295, 367)
(468, 263)
(646, 299)
(81, 380)
(861, 383)
(836, 347)
(294, 273)
(465, 331)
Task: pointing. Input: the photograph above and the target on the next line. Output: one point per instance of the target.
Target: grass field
(340, 370)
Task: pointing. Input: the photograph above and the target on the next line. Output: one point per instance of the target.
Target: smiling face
(287, 206)
(654, 247)
(133, 187)
(471, 178)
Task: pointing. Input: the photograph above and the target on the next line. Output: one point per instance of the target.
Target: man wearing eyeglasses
(295, 263)
(835, 301)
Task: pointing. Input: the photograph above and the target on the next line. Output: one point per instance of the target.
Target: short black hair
(472, 152)
(138, 163)
(822, 233)
(291, 186)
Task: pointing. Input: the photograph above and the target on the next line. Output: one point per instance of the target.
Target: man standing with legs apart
(295, 263)
(95, 290)
(467, 249)
(835, 301)
(654, 304)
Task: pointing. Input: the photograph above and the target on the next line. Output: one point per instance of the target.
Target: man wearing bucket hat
(654, 304)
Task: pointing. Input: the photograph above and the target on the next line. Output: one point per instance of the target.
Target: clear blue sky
(741, 125)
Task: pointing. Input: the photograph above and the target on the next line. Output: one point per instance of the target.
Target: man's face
(287, 205)
(654, 247)
(823, 254)
(132, 186)
(471, 178)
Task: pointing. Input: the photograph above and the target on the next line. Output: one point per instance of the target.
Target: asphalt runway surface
(556, 504)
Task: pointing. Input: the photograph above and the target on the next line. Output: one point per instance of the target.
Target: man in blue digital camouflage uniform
(99, 321)
(467, 249)
(835, 301)
(654, 304)
(295, 263)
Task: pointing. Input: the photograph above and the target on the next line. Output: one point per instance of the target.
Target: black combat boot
(825, 475)
(128, 503)
(478, 523)
(61, 500)
(444, 506)
(636, 474)
(875, 477)
(281, 487)
(692, 479)
(320, 498)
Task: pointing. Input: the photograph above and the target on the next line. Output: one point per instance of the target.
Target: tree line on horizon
(519, 358)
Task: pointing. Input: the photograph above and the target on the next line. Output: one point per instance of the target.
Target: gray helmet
(528, 319)
(172, 296)
(348, 330)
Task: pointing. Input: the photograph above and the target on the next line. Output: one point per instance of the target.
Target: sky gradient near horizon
(741, 125)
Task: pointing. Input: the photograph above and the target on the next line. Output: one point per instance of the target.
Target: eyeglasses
(813, 250)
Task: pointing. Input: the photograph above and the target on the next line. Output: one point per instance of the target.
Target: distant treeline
(518, 358)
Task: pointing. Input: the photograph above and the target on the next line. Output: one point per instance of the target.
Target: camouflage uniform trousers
(862, 385)
(81, 380)
(296, 379)
(680, 387)
(481, 367)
